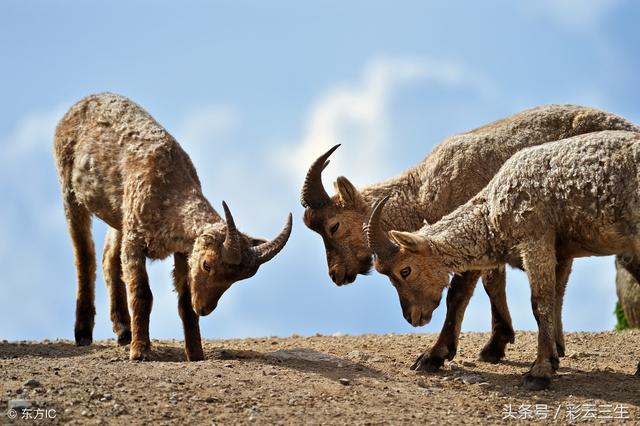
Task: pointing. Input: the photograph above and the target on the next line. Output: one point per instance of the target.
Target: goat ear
(409, 241)
(348, 193)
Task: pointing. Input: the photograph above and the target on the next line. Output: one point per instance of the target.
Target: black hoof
(494, 350)
(560, 350)
(492, 354)
(83, 337)
(196, 356)
(124, 338)
(532, 383)
(427, 364)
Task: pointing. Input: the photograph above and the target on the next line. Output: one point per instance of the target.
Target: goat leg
(494, 282)
(458, 297)
(190, 321)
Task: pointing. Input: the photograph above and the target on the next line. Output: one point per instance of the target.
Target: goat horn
(231, 253)
(313, 193)
(266, 251)
(377, 238)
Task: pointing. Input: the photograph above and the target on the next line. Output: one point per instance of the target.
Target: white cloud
(204, 130)
(27, 170)
(575, 14)
(228, 165)
(357, 115)
(33, 134)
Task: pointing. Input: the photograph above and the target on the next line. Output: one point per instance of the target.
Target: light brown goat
(454, 172)
(116, 162)
(546, 206)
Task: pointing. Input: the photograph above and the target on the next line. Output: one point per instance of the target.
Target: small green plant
(622, 320)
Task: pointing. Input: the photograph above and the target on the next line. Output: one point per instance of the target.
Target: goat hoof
(533, 383)
(124, 338)
(494, 350)
(195, 356)
(560, 350)
(492, 353)
(84, 341)
(83, 337)
(139, 356)
(427, 364)
(140, 353)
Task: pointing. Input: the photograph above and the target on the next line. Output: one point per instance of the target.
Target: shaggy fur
(117, 163)
(547, 205)
(453, 173)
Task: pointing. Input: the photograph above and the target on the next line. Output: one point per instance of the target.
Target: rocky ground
(317, 380)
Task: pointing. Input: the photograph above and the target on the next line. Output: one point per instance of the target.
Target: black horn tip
(377, 239)
(333, 148)
(313, 193)
(378, 206)
(289, 224)
(227, 212)
(266, 251)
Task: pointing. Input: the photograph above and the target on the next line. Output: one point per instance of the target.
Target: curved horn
(313, 193)
(377, 238)
(266, 251)
(231, 253)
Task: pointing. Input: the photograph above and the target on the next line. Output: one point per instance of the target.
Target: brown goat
(450, 175)
(116, 162)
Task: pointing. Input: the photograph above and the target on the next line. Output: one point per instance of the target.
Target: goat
(116, 162)
(546, 206)
(449, 176)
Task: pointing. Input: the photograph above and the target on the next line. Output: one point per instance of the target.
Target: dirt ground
(317, 380)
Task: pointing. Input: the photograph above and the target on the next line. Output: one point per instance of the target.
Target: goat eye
(405, 272)
(206, 266)
(334, 228)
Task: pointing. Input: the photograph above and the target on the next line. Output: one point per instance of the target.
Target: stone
(421, 383)
(19, 404)
(345, 381)
(471, 379)
(32, 383)
(304, 354)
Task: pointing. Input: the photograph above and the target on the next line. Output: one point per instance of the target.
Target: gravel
(298, 380)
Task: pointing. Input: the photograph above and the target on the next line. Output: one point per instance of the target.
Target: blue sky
(253, 91)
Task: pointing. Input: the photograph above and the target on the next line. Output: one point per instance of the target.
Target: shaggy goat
(453, 173)
(547, 205)
(116, 162)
